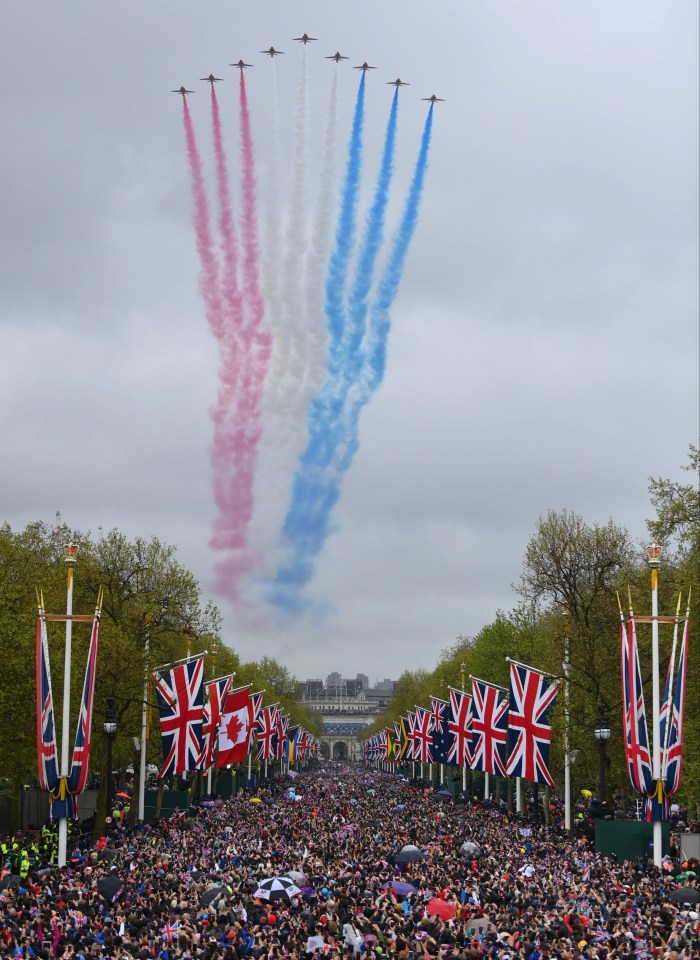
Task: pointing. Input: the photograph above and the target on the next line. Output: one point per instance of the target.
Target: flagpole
(654, 561)
(144, 724)
(462, 671)
(567, 745)
(70, 557)
(486, 786)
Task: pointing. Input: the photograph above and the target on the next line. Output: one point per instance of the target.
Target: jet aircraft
(305, 38)
(364, 67)
(434, 99)
(182, 91)
(397, 83)
(211, 79)
(338, 57)
(272, 52)
(241, 65)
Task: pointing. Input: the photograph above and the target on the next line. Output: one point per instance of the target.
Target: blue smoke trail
(316, 491)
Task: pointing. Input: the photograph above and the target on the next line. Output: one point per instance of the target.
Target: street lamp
(110, 729)
(602, 735)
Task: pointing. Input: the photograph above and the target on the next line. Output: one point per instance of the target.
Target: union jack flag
(265, 731)
(423, 736)
(179, 693)
(45, 729)
(671, 734)
(636, 734)
(81, 747)
(170, 932)
(489, 728)
(460, 728)
(217, 692)
(530, 733)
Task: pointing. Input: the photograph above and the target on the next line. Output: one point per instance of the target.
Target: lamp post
(602, 735)
(462, 672)
(110, 728)
(70, 557)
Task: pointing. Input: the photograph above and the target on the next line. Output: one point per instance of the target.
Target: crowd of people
(377, 868)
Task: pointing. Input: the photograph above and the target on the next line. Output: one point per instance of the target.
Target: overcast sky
(544, 345)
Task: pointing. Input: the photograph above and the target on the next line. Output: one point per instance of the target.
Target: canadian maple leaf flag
(235, 727)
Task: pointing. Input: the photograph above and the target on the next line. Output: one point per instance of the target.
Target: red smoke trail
(209, 276)
(224, 413)
(256, 347)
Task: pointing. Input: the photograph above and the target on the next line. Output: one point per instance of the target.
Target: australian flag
(441, 717)
(180, 704)
(530, 733)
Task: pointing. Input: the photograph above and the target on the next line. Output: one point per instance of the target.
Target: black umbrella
(109, 887)
(685, 895)
(10, 880)
(213, 894)
(410, 854)
(277, 888)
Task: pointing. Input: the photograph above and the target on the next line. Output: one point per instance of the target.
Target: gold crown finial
(70, 554)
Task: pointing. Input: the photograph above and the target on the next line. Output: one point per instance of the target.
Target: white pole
(144, 728)
(250, 768)
(266, 768)
(70, 560)
(421, 769)
(413, 769)
(464, 778)
(567, 745)
(486, 787)
(442, 773)
(518, 795)
(430, 773)
(654, 558)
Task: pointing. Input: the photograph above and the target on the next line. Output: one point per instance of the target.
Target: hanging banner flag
(671, 733)
(423, 735)
(180, 704)
(529, 731)
(265, 729)
(282, 727)
(217, 691)
(45, 729)
(440, 718)
(80, 766)
(460, 728)
(235, 728)
(637, 751)
(489, 728)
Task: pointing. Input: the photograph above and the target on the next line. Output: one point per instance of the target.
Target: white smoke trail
(287, 395)
(319, 251)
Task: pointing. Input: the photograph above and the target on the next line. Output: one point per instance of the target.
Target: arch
(340, 750)
(325, 750)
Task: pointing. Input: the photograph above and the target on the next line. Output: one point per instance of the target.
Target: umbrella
(109, 887)
(372, 792)
(213, 894)
(296, 875)
(399, 806)
(685, 895)
(277, 888)
(255, 800)
(587, 794)
(10, 880)
(409, 854)
(441, 908)
(124, 795)
(469, 848)
(444, 793)
(107, 854)
(400, 888)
